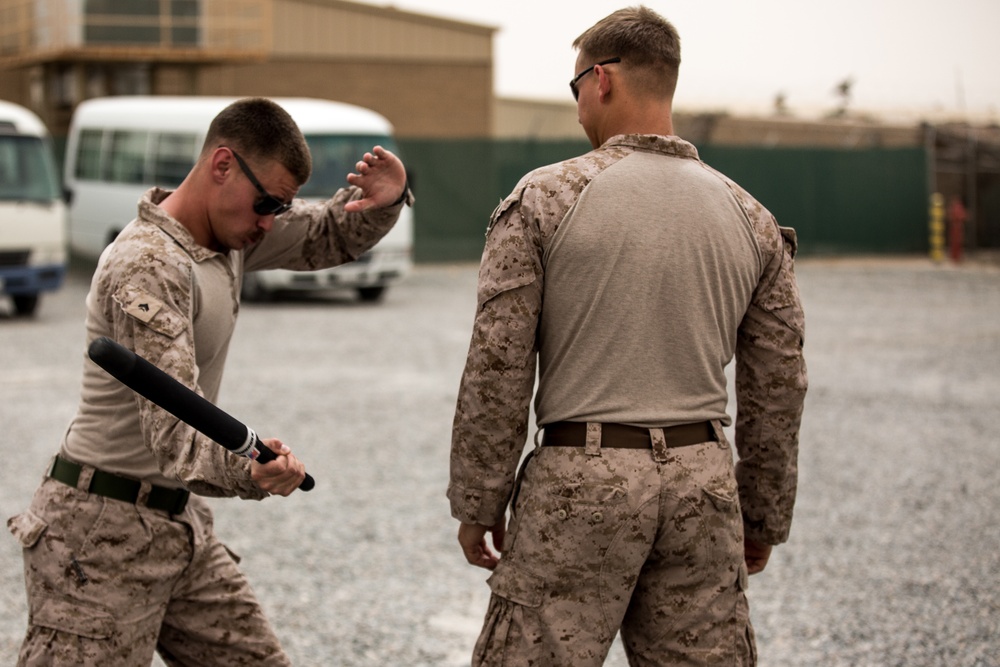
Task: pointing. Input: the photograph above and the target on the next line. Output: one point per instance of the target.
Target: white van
(118, 147)
(32, 213)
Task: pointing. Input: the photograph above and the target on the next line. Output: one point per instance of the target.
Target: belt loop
(593, 445)
(720, 435)
(659, 444)
(86, 475)
(143, 496)
(538, 437)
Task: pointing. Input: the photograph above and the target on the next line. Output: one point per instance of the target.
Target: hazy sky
(910, 56)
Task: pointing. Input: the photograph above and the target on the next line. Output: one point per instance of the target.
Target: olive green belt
(121, 488)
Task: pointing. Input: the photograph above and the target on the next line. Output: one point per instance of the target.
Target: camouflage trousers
(648, 542)
(109, 582)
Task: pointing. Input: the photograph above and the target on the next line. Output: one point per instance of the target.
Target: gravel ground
(894, 557)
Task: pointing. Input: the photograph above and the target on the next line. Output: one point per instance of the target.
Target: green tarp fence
(839, 201)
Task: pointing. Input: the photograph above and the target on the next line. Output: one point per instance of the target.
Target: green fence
(839, 201)
(458, 183)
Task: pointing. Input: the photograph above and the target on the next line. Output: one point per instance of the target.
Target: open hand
(381, 177)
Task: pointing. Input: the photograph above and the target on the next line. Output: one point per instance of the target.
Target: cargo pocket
(503, 640)
(27, 528)
(74, 618)
(723, 521)
(746, 642)
(516, 585)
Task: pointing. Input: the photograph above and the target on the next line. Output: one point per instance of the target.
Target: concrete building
(431, 77)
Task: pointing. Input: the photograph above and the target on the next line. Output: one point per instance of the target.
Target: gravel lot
(894, 557)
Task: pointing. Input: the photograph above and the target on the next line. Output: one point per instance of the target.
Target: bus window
(26, 170)
(128, 156)
(172, 159)
(88, 155)
(334, 157)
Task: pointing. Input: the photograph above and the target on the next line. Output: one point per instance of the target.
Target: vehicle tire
(252, 290)
(25, 304)
(371, 294)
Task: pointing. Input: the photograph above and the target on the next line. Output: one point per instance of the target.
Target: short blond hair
(648, 44)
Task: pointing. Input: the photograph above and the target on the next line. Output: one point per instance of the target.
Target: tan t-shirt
(646, 280)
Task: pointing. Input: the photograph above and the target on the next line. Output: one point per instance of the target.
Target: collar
(150, 211)
(656, 143)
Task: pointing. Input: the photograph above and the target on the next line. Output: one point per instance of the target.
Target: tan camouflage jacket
(175, 303)
(491, 417)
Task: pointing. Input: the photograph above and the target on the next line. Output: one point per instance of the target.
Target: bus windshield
(334, 157)
(27, 172)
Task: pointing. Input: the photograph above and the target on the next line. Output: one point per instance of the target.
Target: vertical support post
(936, 215)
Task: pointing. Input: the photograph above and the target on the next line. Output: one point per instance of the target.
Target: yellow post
(937, 227)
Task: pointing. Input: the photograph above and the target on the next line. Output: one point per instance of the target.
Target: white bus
(118, 147)
(32, 213)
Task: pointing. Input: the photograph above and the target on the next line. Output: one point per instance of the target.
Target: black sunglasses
(572, 84)
(268, 204)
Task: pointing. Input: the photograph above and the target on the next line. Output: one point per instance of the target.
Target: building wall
(430, 76)
(516, 118)
(535, 119)
(14, 86)
(339, 29)
(421, 99)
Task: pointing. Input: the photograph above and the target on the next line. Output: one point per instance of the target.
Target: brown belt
(117, 487)
(621, 436)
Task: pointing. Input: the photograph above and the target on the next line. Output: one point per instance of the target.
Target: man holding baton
(120, 554)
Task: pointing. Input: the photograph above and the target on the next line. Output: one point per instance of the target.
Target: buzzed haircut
(260, 129)
(646, 42)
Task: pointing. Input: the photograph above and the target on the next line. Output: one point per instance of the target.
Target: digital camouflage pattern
(491, 418)
(543, 555)
(106, 580)
(175, 303)
(582, 530)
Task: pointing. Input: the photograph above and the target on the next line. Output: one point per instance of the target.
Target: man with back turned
(120, 555)
(629, 278)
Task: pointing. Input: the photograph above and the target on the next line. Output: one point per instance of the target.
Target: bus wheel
(371, 294)
(25, 304)
(252, 289)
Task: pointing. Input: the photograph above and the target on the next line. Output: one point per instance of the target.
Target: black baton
(157, 386)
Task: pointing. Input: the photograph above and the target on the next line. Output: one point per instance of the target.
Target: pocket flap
(516, 585)
(74, 617)
(27, 528)
(146, 308)
(724, 499)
